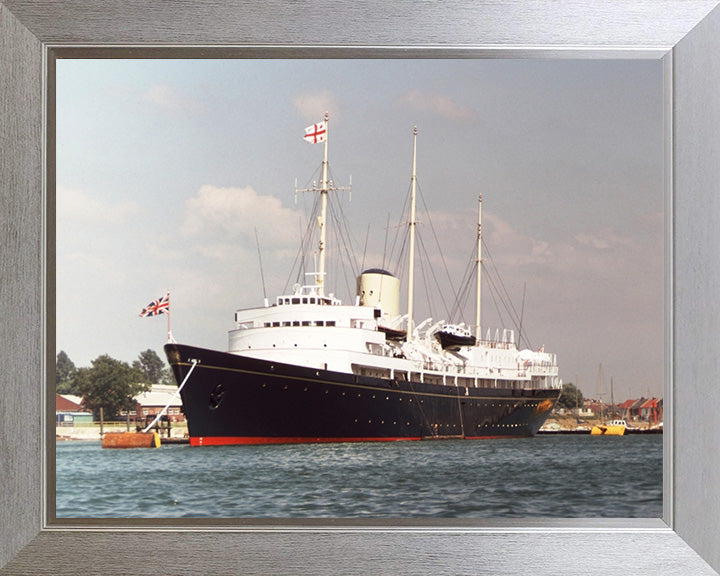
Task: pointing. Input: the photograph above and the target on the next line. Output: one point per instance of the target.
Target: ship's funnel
(379, 289)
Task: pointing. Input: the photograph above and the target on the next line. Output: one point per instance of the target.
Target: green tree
(111, 385)
(151, 365)
(64, 374)
(571, 397)
(168, 378)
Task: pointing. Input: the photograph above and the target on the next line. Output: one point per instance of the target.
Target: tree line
(110, 384)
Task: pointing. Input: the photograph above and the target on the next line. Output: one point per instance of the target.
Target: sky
(174, 174)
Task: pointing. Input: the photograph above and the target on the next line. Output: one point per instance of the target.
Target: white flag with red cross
(315, 133)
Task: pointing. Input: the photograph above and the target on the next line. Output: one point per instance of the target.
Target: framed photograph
(681, 37)
(195, 192)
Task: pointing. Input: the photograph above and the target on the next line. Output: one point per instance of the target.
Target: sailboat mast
(320, 278)
(411, 266)
(478, 263)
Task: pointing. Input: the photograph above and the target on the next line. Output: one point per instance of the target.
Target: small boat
(452, 337)
(612, 428)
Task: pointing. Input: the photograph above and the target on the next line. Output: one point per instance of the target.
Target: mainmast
(320, 278)
(411, 266)
(479, 270)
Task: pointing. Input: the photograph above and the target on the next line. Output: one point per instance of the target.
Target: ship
(308, 368)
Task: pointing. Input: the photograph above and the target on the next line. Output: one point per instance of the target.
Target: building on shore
(69, 411)
(151, 403)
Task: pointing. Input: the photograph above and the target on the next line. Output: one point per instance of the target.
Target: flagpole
(170, 338)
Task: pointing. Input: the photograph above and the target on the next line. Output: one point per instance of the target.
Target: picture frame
(683, 34)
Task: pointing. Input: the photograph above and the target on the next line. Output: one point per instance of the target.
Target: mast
(315, 134)
(320, 278)
(478, 263)
(411, 266)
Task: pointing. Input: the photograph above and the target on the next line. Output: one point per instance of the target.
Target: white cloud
(235, 213)
(439, 104)
(77, 205)
(313, 105)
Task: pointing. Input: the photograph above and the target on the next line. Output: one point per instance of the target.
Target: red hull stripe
(229, 440)
(226, 440)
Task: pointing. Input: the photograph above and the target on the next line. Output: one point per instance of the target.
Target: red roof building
(68, 403)
(651, 410)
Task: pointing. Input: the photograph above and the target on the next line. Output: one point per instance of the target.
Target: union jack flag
(315, 133)
(159, 306)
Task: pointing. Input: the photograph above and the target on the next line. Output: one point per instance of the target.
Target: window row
(300, 323)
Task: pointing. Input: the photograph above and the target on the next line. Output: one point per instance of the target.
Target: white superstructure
(307, 329)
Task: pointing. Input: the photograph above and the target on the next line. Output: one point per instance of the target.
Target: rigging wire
(503, 295)
(367, 236)
(305, 241)
(437, 243)
(423, 252)
(262, 273)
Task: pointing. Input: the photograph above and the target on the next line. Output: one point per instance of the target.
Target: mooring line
(175, 395)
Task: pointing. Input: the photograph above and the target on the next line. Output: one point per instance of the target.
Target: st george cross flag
(315, 133)
(159, 306)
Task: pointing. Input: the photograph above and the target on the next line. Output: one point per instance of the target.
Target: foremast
(315, 134)
(320, 279)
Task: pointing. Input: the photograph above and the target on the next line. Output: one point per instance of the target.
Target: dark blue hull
(231, 399)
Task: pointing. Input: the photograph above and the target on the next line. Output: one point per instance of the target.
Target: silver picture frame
(683, 34)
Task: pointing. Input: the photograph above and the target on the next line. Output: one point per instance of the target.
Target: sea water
(560, 476)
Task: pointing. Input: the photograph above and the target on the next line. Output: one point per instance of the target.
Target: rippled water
(550, 476)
